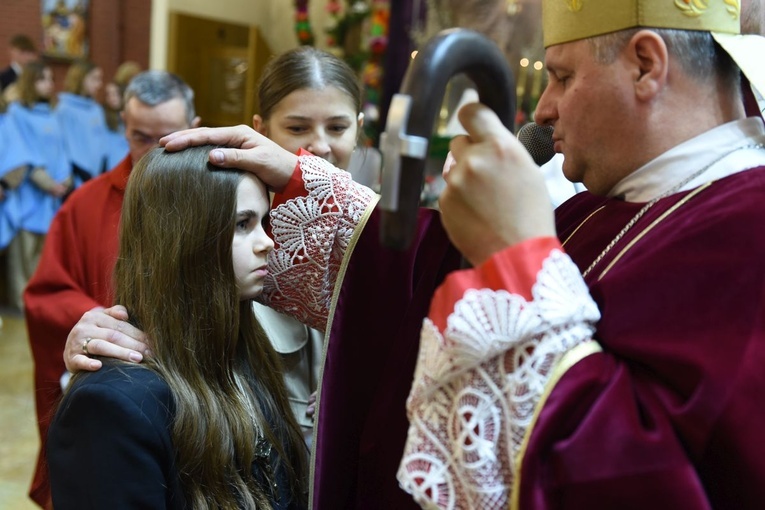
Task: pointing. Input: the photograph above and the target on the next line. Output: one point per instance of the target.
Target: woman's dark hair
(30, 73)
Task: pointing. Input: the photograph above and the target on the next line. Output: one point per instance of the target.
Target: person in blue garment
(41, 157)
(116, 144)
(83, 120)
(7, 227)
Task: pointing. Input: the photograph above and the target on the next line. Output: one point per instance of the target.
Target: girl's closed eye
(297, 130)
(339, 128)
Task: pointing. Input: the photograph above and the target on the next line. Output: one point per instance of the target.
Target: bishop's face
(587, 103)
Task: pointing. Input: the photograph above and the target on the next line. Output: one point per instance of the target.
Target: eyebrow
(247, 213)
(303, 117)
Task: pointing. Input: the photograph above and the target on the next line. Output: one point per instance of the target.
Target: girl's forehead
(329, 97)
(251, 192)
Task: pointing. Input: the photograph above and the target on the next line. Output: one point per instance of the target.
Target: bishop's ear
(648, 51)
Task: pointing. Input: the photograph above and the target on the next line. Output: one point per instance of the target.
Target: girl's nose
(319, 147)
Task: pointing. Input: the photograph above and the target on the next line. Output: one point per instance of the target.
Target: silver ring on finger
(85, 346)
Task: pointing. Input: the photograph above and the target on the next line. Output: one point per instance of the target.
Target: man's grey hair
(156, 87)
(695, 51)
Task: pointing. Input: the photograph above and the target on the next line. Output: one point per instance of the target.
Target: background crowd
(51, 142)
(579, 359)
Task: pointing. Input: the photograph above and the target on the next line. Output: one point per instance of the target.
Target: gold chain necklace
(650, 204)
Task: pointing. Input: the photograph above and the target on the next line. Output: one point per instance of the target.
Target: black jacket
(110, 446)
(7, 76)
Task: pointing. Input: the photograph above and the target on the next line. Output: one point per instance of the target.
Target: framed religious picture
(65, 31)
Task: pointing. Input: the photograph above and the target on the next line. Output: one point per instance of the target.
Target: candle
(536, 86)
(520, 88)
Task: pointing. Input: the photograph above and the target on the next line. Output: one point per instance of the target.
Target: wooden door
(222, 62)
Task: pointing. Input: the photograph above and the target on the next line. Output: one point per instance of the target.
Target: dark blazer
(7, 76)
(109, 445)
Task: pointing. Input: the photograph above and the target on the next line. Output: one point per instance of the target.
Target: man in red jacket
(75, 270)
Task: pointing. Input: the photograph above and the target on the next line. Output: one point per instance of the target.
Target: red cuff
(513, 269)
(295, 187)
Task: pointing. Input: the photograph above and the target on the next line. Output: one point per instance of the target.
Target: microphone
(538, 141)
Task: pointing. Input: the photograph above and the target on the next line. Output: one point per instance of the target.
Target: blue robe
(39, 143)
(84, 128)
(9, 205)
(116, 146)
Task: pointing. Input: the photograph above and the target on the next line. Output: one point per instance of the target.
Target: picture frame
(65, 29)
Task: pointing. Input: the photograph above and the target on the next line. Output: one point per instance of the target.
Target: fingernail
(448, 164)
(217, 156)
(135, 357)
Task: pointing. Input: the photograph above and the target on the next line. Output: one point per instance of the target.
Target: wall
(117, 31)
(274, 18)
(138, 29)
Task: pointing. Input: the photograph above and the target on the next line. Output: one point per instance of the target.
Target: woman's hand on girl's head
(103, 332)
(242, 148)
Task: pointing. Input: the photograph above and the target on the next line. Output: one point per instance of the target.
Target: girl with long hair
(204, 423)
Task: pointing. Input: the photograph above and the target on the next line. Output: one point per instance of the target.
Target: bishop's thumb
(480, 122)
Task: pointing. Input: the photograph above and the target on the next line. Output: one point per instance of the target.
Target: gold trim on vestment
(568, 360)
(583, 350)
(642, 233)
(582, 223)
(655, 222)
(330, 317)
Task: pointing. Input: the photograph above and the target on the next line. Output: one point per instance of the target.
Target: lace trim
(311, 234)
(477, 386)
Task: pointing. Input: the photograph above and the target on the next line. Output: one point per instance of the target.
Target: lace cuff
(480, 377)
(311, 233)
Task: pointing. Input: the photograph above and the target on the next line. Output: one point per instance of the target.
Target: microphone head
(538, 141)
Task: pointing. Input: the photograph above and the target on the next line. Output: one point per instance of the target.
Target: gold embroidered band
(570, 20)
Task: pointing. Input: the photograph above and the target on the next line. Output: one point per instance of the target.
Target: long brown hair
(305, 68)
(175, 275)
(75, 76)
(30, 73)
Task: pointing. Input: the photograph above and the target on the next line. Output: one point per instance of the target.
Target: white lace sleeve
(477, 386)
(311, 234)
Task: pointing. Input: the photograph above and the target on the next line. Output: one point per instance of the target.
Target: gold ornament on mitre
(570, 20)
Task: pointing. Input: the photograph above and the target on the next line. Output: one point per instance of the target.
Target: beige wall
(275, 18)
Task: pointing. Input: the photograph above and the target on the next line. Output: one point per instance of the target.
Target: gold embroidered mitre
(570, 20)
